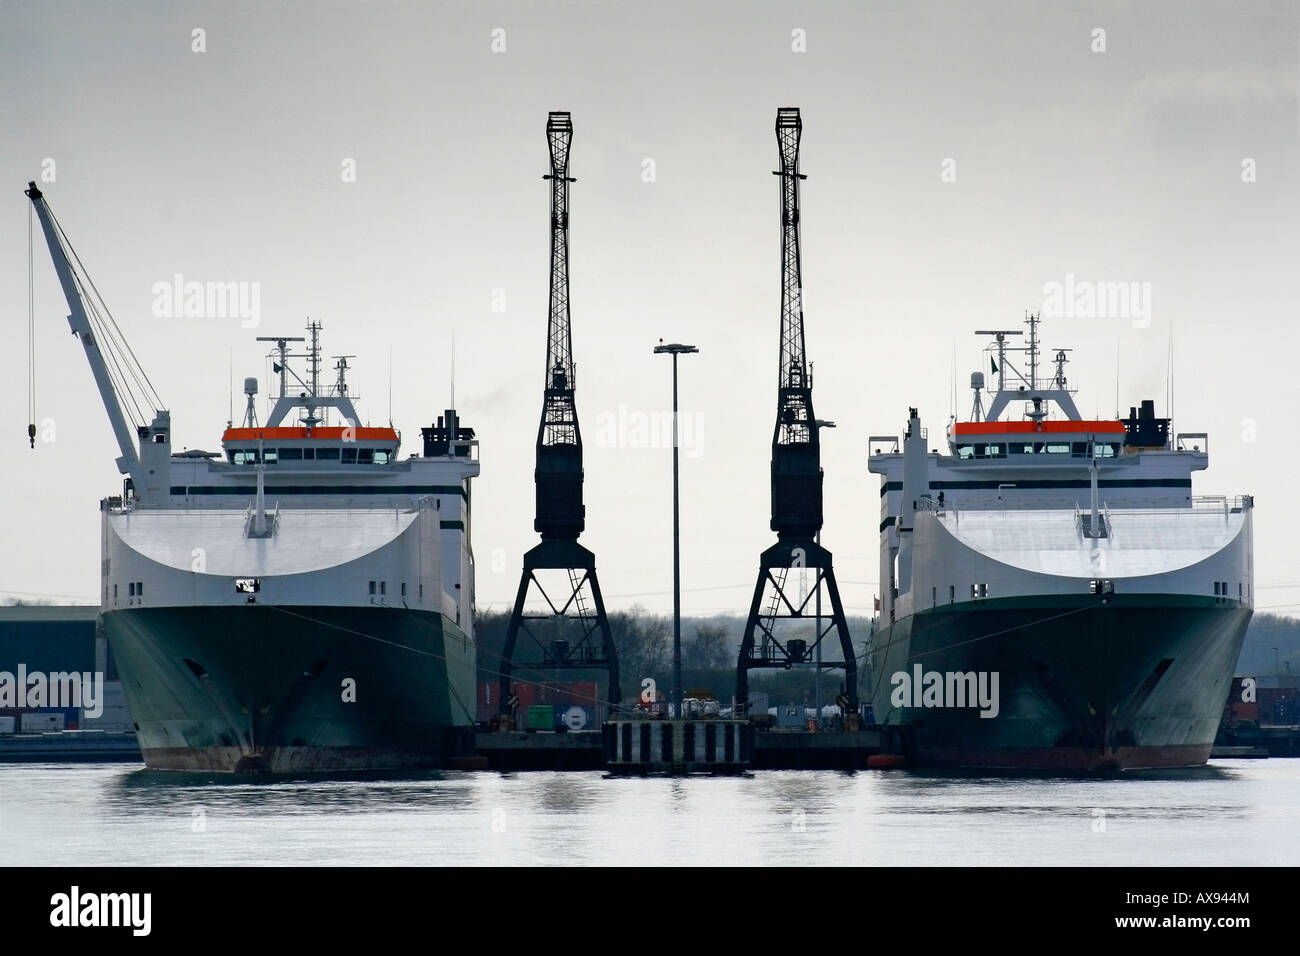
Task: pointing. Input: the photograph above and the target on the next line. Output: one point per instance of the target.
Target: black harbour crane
(571, 631)
(796, 482)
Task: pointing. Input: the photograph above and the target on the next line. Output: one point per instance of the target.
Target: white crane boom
(129, 462)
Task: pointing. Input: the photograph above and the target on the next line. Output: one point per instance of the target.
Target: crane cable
(31, 334)
(110, 333)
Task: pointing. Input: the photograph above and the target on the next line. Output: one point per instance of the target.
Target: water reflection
(1245, 812)
(159, 791)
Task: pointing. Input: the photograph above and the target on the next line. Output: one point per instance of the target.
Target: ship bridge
(322, 445)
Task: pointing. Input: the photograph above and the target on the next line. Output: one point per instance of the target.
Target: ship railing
(1228, 504)
(938, 508)
(928, 502)
(1223, 504)
(272, 521)
(1083, 522)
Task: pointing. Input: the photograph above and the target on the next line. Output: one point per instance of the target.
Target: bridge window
(327, 454)
(349, 456)
(309, 454)
(270, 457)
(1058, 449)
(382, 456)
(247, 457)
(365, 456)
(1079, 449)
(966, 451)
(1104, 450)
(291, 454)
(248, 585)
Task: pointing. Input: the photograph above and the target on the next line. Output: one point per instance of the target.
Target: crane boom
(796, 454)
(559, 339)
(560, 512)
(794, 370)
(79, 321)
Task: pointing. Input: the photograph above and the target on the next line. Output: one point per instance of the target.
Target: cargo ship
(1054, 596)
(302, 600)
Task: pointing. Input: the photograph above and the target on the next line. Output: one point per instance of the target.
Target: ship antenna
(1033, 321)
(953, 409)
(390, 384)
(453, 367)
(1117, 376)
(314, 356)
(1169, 378)
(31, 333)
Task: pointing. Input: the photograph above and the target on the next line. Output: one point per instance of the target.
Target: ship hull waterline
(1082, 686)
(302, 689)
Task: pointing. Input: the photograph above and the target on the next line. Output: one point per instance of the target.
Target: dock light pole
(675, 700)
(820, 423)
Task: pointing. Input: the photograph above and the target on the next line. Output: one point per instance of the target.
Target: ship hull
(293, 689)
(1082, 686)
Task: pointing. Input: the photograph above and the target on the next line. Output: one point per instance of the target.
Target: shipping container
(541, 717)
(563, 694)
(36, 723)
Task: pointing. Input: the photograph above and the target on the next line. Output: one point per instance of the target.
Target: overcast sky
(960, 156)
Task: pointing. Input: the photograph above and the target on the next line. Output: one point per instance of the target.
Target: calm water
(1232, 812)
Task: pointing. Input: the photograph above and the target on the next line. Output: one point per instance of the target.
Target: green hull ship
(1138, 683)
(302, 600)
(293, 689)
(1054, 597)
